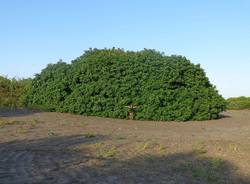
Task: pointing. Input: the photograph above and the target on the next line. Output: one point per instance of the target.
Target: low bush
(12, 92)
(238, 103)
(106, 82)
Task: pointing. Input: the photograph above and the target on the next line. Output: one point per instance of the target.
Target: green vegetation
(149, 146)
(238, 103)
(205, 169)
(10, 122)
(199, 148)
(107, 152)
(105, 82)
(28, 124)
(12, 92)
(51, 133)
(89, 135)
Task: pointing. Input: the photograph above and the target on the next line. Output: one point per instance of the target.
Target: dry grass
(132, 151)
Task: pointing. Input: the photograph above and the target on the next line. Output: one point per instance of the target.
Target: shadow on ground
(26, 112)
(224, 116)
(57, 160)
(17, 112)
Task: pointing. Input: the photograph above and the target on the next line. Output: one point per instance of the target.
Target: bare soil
(47, 147)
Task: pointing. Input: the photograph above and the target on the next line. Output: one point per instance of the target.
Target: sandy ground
(47, 147)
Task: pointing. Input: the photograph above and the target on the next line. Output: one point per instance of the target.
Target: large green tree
(104, 82)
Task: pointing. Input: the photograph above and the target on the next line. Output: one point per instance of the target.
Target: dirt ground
(56, 148)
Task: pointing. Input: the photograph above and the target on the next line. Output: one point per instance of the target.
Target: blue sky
(214, 33)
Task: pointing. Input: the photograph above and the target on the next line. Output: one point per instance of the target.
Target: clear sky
(214, 33)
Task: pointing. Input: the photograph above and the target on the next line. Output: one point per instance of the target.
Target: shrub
(104, 82)
(12, 92)
(238, 103)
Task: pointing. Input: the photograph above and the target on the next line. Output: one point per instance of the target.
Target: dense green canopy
(103, 82)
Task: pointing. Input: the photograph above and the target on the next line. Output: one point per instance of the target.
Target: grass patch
(11, 122)
(51, 133)
(161, 148)
(107, 152)
(207, 170)
(21, 130)
(33, 123)
(149, 158)
(232, 147)
(99, 145)
(199, 148)
(215, 163)
(90, 135)
(30, 124)
(151, 146)
(204, 174)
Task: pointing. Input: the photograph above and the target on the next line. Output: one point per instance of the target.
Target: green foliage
(206, 171)
(103, 82)
(11, 92)
(238, 103)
